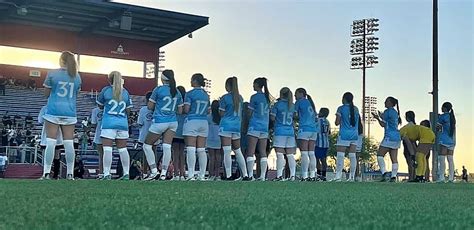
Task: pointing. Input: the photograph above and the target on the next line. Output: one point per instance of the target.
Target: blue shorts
(321, 152)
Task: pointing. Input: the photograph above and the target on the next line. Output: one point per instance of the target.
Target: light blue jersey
(213, 138)
(198, 100)
(145, 119)
(283, 118)
(231, 120)
(64, 89)
(348, 132)
(166, 106)
(323, 133)
(306, 115)
(179, 129)
(261, 113)
(115, 115)
(390, 116)
(444, 138)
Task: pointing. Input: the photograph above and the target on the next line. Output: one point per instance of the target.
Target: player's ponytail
(232, 86)
(305, 94)
(452, 119)
(285, 93)
(349, 99)
(116, 79)
(67, 59)
(361, 127)
(182, 90)
(216, 118)
(394, 102)
(168, 76)
(410, 115)
(262, 83)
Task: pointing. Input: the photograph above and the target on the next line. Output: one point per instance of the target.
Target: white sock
(442, 167)
(165, 162)
(241, 160)
(227, 161)
(451, 167)
(312, 164)
(394, 169)
(381, 163)
(70, 155)
(125, 159)
(353, 158)
(339, 164)
(191, 160)
(250, 165)
(263, 167)
(304, 164)
(292, 164)
(150, 157)
(202, 161)
(107, 160)
(48, 155)
(280, 164)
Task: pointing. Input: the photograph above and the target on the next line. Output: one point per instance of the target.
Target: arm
(185, 108)
(409, 145)
(377, 117)
(338, 119)
(180, 109)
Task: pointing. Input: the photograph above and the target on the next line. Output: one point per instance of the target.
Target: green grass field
(90, 204)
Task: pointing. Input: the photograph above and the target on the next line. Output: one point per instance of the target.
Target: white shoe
(191, 179)
(175, 178)
(162, 177)
(350, 180)
(336, 180)
(182, 178)
(261, 179)
(152, 176)
(201, 179)
(293, 178)
(238, 179)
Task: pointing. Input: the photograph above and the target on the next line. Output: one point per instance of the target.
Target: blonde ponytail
(70, 62)
(116, 78)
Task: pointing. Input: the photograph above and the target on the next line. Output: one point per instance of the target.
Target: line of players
(167, 103)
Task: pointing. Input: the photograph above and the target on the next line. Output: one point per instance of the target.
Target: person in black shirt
(28, 121)
(7, 122)
(78, 168)
(464, 174)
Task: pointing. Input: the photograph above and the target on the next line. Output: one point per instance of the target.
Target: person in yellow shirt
(426, 138)
(410, 118)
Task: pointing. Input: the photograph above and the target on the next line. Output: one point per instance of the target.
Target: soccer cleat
(175, 178)
(191, 179)
(202, 179)
(238, 179)
(124, 177)
(162, 177)
(45, 177)
(304, 179)
(261, 179)
(152, 176)
(293, 178)
(393, 179)
(107, 177)
(336, 180)
(69, 177)
(247, 178)
(279, 179)
(384, 177)
(350, 180)
(182, 178)
(100, 176)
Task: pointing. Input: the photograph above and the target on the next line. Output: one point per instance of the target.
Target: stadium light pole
(370, 103)
(363, 45)
(434, 114)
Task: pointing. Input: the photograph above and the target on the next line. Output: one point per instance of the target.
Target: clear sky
(306, 44)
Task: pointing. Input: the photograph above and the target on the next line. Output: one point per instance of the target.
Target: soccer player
(59, 143)
(447, 140)
(178, 144)
(257, 133)
(195, 129)
(116, 102)
(166, 102)
(96, 120)
(347, 117)
(61, 88)
(284, 136)
(307, 132)
(322, 144)
(426, 138)
(410, 118)
(230, 106)
(390, 120)
(144, 121)
(214, 142)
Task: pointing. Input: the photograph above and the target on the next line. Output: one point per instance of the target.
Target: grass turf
(90, 204)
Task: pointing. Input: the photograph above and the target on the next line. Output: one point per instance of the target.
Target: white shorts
(345, 143)
(196, 128)
(60, 120)
(284, 142)
(234, 136)
(307, 136)
(160, 128)
(360, 141)
(258, 134)
(114, 134)
(390, 144)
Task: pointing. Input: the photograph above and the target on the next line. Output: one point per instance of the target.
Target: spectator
(78, 168)
(23, 152)
(19, 137)
(4, 139)
(7, 122)
(31, 84)
(3, 165)
(135, 170)
(84, 140)
(28, 136)
(464, 174)
(28, 121)
(17, 121)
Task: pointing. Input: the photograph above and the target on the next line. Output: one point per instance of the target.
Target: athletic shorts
(178, 140)
(390, 144)
(60, 120)
(196, 128)
(234, 136)
(307, 136)
(345, 143)
(258, 134)
(160, 128)
(284, 142)
(321, 152)
(450, 147)
(114, 134)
